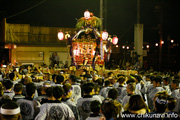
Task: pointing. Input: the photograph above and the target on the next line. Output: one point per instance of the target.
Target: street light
(162, 42)
(172, 41)
(156, 44)
(147, 46)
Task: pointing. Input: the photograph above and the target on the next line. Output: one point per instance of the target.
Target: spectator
(109, 111)
(136, 105)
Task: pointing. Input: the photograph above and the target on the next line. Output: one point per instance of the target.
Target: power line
(26, 9)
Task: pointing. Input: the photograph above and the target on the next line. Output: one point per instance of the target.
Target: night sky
(120, 15)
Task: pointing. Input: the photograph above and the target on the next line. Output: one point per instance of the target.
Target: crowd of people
(32, 93)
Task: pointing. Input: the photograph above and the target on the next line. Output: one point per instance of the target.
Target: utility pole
(138, 36)
(101, 14)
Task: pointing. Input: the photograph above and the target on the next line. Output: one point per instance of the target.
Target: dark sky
(120, 17)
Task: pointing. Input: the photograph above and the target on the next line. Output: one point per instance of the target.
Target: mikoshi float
(89, 46)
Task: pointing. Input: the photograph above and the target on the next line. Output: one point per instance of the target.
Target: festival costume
(56, 110)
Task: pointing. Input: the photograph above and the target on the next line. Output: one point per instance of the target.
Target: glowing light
(123, 47)
(162, 42)
(67, 36)
(60, 35)
(116, 45)
(105, 49)
(15, 46)
(104, 35)
(172, 41)
(87, 14)
(115, 40)
(156, 44)
(76, 52)
(147, 46)
(127, 47)
(94, 52)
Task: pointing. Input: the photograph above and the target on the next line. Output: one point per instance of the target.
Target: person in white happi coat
(95, 114)
(104, 91)
(55, 110)
(130, 91)
(29, 107)
(8, 84)
(175, 89)
(147, 87)
(156, 88)
(166, 86)
(66, 98)
(83, 103)
(76, 89)
(124, 91)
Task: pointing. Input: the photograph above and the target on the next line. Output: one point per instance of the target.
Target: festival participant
(171, 105)
(121, 86)
(10, 111)
(138, 80)
(95, 114)
(55, 110)
(130, 91)
(156, 88)
(66, 98)
(29, 107)
(160, 102)
(166, 86)
(148, 84)
(26, 81)
(124, 91)
(175, 89)
(76, 89)
(59, 81)
(8, 88)
(42, 92)
(177, 107)
(97, 90)
(135, 106)
(18, 92)
(83, 103)
(50, 98)
(104, 91)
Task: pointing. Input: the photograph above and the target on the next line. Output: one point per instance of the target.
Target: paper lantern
(115, 40)
(87, 14)
(104, 35)
(60, 35)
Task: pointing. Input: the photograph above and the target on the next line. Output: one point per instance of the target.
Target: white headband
(89, 78)
(10, 111)
(47, 85)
